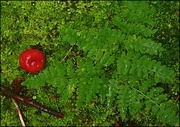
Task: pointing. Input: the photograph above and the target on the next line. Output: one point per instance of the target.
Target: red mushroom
(32, 60)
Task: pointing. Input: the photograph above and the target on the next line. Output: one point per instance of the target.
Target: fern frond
(143, 45)
(144, 67)
(132, 102)
(140, 15)
(131, 28)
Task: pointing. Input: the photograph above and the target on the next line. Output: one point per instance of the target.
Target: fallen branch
(19, 98)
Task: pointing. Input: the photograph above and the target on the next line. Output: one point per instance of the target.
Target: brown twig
(19, 98)
(19, 112)
(67, 54)
(176, 99)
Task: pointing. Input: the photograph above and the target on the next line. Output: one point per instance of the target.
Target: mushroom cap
(32, 60)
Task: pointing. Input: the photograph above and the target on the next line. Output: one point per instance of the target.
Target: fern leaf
(123, 101)
(99, 54)
(103, 92)
(81, 93)
(69, 69)
(112, 92)
(94, 86)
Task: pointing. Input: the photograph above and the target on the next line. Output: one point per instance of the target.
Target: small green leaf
(99, 54)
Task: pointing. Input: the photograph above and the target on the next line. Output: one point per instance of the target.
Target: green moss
(105, 61)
